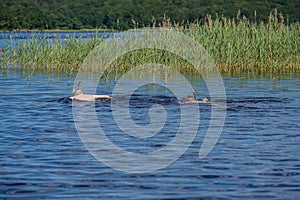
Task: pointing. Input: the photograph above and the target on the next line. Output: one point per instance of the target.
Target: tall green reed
(240, 45)
(46, 54)
(236, 45)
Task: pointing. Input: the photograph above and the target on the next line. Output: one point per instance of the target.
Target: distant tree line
(126, 14)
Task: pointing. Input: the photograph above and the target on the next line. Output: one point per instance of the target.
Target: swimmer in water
(193, 99)
(78, 95)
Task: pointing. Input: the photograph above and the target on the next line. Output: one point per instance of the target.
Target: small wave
(255, 100)
(255, 103)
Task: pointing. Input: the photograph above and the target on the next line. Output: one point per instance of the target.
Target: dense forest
(126, 14)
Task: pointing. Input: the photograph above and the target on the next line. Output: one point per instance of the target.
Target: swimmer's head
(77, 92)
(205, 100)
(188, 99)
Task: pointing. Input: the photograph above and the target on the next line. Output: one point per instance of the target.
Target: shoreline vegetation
(125, 15)
(236, 45)
(56, 30)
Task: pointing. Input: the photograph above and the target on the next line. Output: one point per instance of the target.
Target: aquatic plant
(47, 54)
(236, 45)
(239, 45)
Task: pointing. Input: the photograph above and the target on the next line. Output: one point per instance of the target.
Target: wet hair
(189, 98)
(77, 92)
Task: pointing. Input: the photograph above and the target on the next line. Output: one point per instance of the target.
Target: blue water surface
(256, 157)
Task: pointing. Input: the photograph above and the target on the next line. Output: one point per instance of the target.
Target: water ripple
(257, 156)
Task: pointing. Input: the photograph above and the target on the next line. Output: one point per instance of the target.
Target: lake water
(256, 157)
(24, 36)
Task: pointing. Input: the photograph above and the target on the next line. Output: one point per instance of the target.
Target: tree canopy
(126, 14)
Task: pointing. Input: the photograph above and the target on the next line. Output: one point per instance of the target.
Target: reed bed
(236, 45)
(46, 54)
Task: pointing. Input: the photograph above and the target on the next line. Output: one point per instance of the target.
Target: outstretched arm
(194, 94)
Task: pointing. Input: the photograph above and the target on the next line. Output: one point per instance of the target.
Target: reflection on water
(257, 155)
